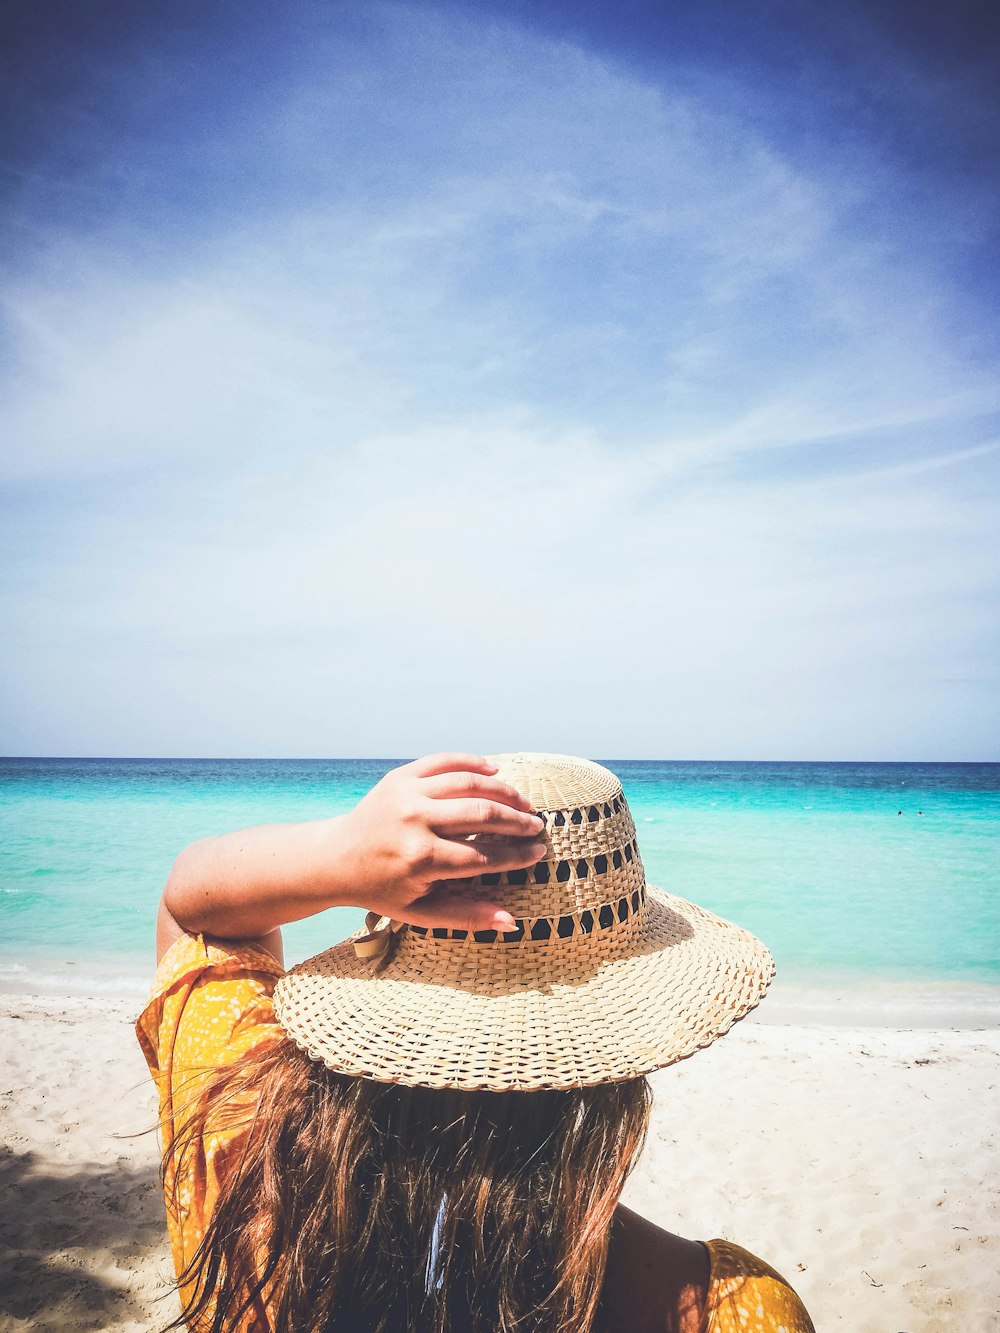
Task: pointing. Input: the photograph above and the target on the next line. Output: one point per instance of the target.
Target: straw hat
(605, 977)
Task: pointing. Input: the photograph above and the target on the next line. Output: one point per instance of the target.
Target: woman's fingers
(456, 819)
(462, 860)
(455, 909)
(445, 762)
(457, 786)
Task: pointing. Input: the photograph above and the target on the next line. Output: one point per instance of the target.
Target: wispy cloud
(543, 385)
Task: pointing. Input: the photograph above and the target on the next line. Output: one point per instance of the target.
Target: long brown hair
(349, 1206)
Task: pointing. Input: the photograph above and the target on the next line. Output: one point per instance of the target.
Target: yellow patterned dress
(209, 1005)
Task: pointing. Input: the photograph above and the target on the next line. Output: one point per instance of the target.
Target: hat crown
(557, 781)
(591, 856)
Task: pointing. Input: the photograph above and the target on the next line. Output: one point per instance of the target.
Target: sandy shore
(860, 1160)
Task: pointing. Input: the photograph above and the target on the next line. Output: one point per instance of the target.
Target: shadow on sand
(68, 1239)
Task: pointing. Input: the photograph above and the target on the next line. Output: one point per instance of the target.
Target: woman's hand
(401, 852)
(408, 841)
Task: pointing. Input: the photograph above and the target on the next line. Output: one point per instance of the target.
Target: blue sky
(618, 380)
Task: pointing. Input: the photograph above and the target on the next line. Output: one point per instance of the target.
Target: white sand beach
(860, 1160)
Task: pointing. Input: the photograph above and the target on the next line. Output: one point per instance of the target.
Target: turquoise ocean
(852, 873)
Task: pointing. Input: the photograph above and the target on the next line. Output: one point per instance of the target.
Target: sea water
(850, 872)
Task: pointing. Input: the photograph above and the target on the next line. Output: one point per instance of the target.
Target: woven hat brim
(568, 1013)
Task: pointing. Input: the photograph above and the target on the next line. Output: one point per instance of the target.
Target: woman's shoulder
(747, 1295)
(656, 1280)
(651, 1271)
(210, 1000)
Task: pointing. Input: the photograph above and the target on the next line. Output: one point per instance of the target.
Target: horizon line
(399, 759)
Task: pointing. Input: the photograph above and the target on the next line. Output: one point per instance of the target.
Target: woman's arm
(398, 853)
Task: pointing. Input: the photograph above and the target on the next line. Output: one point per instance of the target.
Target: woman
(428, 1127)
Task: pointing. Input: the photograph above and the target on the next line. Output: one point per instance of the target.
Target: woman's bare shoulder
(655, 1282)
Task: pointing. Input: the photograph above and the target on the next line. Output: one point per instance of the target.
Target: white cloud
(473, 460)
(488, 585)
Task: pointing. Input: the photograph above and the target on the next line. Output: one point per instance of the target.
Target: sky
(603, 378)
